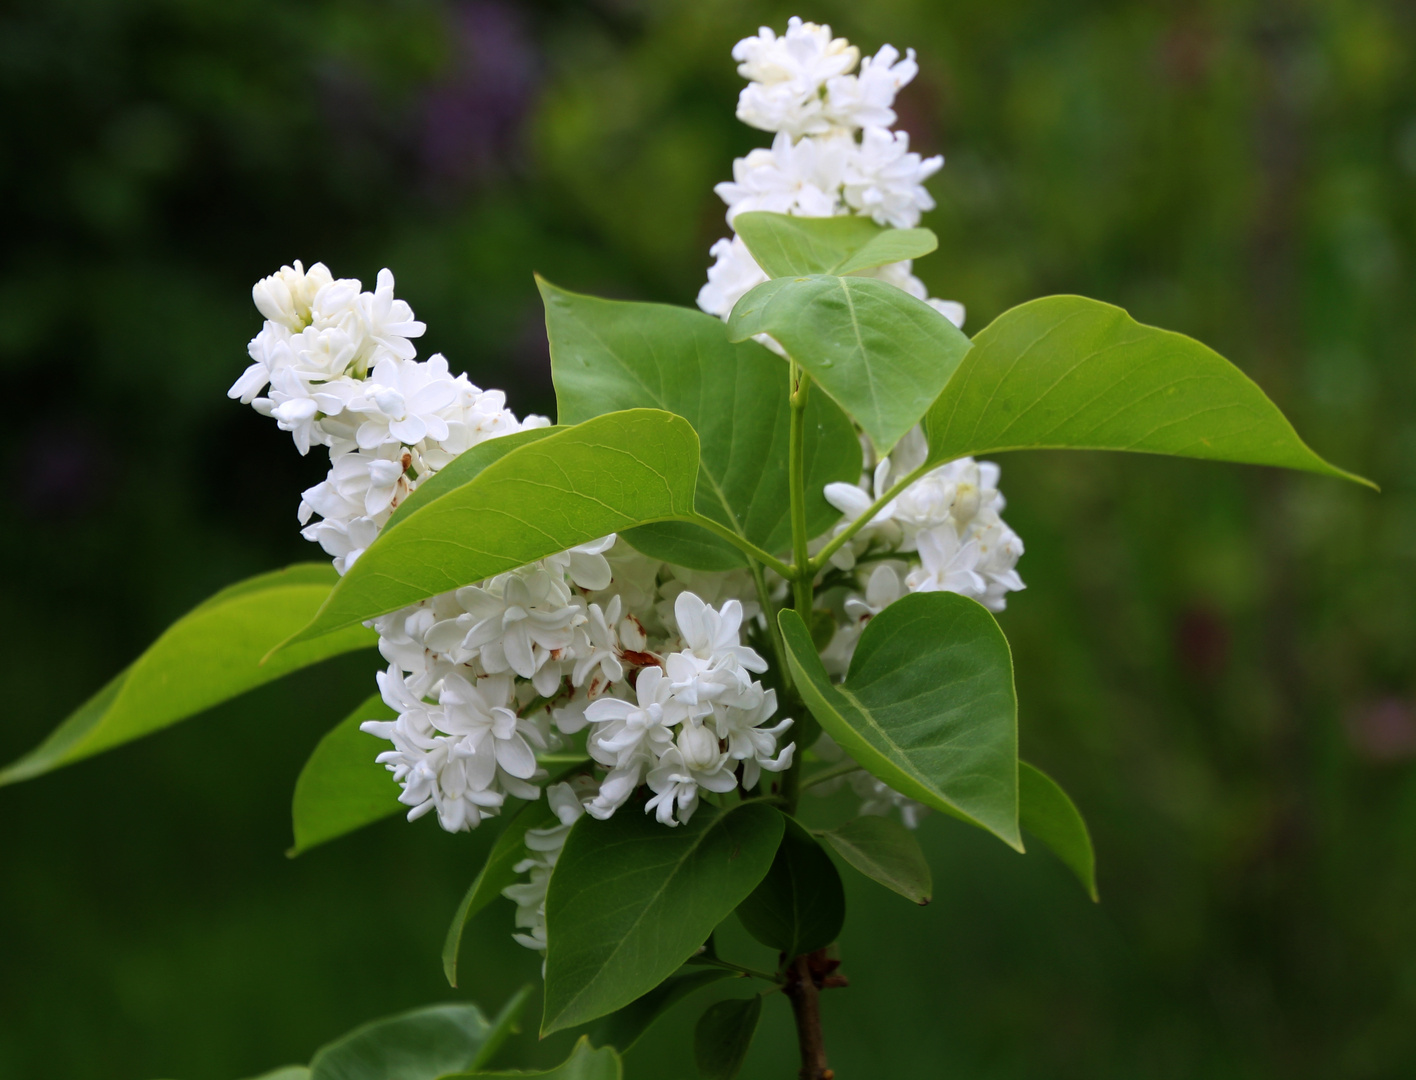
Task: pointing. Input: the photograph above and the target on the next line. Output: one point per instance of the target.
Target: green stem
(801, 578)
(713, 961)
(769, 612)
(800, 386)
(814, 565)
(841, 768)
(740, 542)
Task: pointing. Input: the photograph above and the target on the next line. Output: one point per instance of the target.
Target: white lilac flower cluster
(597, 639)
(833, 152)
(342, 373)
(598, 642)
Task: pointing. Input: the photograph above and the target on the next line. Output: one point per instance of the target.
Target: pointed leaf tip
(1066, 372)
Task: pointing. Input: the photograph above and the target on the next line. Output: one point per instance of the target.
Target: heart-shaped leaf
(571, 487)
(210, 655)
(342, 788)
(788, 246)
(928, 706)
(631, 899)
(885, 851)
(1065, 372)
(880, 353)
(609, 355)
(1050, 815)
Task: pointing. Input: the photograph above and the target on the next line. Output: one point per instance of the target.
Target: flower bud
(699, 747)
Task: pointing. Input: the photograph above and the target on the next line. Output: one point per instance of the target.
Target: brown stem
(806, 977)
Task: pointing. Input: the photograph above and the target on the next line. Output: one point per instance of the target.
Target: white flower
(481, 714)
(885, 180)
(978, 498)
(286, 297)
(805, 53)
(865, 100)
(999, 551)
(387, 321)
(414, 714)
(360, 484)
(788, 74)
(403, 402)
(518, 622)
(740, 726)
(693, 762)
(269, 352)
(948, 564)
(639, 731)
(713, 663)
(732, 277)
(791, 178)
(344, 541)
(435, 776)
(294, 410)
(598, 649)
(585, 565)
(881, 590)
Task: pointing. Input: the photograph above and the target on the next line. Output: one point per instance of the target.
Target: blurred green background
(1217, 662)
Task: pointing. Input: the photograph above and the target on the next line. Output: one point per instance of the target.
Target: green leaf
(722, 1036)
(1050, 815)
(287, 1072)
(630, 900)
(880, 353)
(885, 851)
(788, 246)
(1065, 372)
(799, 906)
(608, 355)
(342, 788)
(423, 1044)
(683, 544)
(572, 487)
(465, 468)
(928, 706)
(584, 1063)
(622, 1029)
(210, 655)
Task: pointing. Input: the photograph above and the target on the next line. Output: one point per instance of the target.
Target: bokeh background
(1216, 661)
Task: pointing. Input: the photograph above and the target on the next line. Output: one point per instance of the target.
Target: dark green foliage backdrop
(1216, 662)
